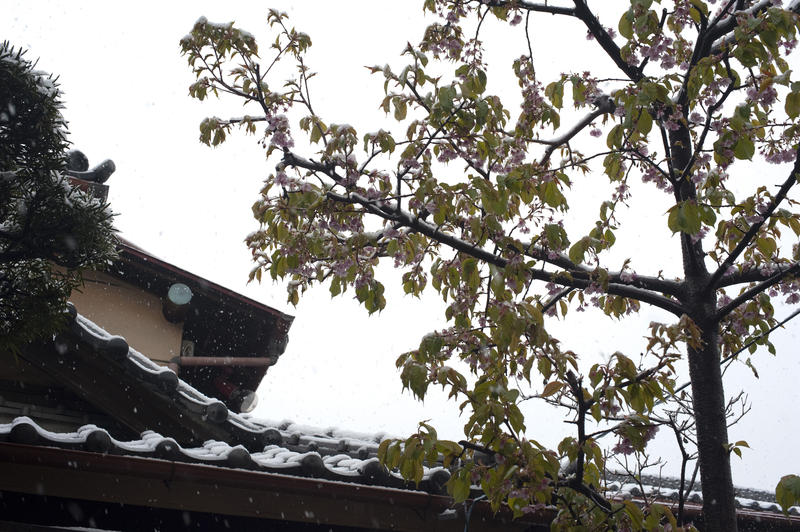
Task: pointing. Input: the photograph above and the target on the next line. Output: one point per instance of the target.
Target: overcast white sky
(125, 90)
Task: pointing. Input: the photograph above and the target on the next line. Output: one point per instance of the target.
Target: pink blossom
(780, 156)
(699, 235)
(282, 179)
(278, 127)
(623, 446)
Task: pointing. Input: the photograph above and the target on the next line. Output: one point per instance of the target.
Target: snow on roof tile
(278, 447)
(622, 486)
(242, 428)
(273, 458)
(285, 446)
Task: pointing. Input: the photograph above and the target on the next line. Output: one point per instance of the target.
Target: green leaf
(552, 195)
(792, 104)
(557, 237)
(415, 377)
(645, 122)
(707, 215)
(635, 513)
(498, 284)
(481, 112)
(516, 418)
(448, 447)
(787, 492)
(446, 96)
(657, 514)
(499, 12)
(744, 148)
(480, 82)
(736, 447)
(613, 166)
(794, 223)
(577, 251)
(615, 137)
(700, 5)
(293, 297)
(459, 488)
(578, 90)
(626, 366)
(317, 129)
(551, 388)
(555, 91)
(431, 344)
(767, 246)
(382, 450)
(684, 217)
(470, 273)
(626, 25)
(400, 109)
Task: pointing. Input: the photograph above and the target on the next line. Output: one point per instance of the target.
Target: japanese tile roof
(277, 447)
(326, 460)
(314, 453)
(623, 486)
(233, 440)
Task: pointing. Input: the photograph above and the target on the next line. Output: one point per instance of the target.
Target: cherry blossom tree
(471, 198)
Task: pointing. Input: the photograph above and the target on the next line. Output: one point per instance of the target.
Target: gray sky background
(125, 90)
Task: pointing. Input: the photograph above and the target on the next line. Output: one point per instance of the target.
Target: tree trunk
(708, 398)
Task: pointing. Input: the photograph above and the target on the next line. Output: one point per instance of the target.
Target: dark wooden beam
(236, 492)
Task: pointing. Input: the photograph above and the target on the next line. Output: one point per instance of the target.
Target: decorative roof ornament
(90, 181)
(78, 166)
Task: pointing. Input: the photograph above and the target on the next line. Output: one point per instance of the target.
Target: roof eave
(131, 252)
(191, 487)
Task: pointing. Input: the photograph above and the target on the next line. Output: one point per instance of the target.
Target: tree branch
(392, 212)
(555, 299)
(531, 6)
(749, 275)
(698, 148)
(591, 494)
(753, 231)
(604, 105)
(755, 290)
(560, 260)
(604, 40)
(719, 35)
(722, 27)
